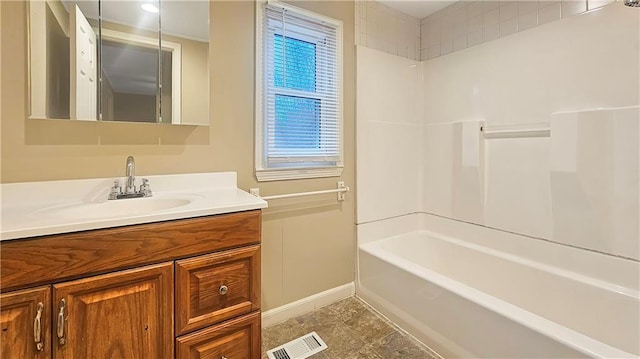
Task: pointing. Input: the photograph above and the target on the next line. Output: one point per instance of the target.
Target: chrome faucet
(130, 184)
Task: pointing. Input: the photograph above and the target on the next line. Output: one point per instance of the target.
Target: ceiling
(417, 8)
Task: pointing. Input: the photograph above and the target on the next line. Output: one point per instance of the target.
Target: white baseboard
(308, 304)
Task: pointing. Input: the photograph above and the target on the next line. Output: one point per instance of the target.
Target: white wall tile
(446, 26)
(424, 55)
(527, 21)
(402, 50)
(491, 17)
(474, 8)
(380, 27)
(372, 41)
(527, 6)
(508, 11)
(509, 27)
(549, 13)
(460, 43)
(446, 46)
(478, 17)
(573, 7)
(490, 5)
(434, 51)
(545, 3)
(424, 37)
(362, 9)
(490, 32)
(434, 31)
(460, 14)
(413, 53)
(474, 38)
(474, 24)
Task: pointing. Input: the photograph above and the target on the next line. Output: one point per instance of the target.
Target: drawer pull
(223, 289)
(223, 357)
(37, 328)
(60, 333)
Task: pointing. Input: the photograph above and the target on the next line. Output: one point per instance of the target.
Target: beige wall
(308, 245)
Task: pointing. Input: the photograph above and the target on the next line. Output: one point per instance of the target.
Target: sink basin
(115, 208)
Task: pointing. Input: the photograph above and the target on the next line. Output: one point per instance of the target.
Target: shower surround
(574, 194)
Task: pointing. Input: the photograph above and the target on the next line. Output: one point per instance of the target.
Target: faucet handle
(115, 190)
(145, 188)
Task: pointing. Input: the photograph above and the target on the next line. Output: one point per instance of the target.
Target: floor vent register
(299, 348)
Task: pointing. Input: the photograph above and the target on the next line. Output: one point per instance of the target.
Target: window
(298, 94)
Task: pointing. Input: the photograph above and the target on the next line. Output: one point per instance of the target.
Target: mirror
(133, 61)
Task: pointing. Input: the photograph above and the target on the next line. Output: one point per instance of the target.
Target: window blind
(301, 69)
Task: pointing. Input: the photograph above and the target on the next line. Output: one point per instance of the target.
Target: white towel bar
(517, 131)
(341, 190)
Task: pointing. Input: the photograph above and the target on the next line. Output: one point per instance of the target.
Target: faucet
(130, 184)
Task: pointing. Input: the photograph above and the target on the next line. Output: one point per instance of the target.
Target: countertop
(38, 208)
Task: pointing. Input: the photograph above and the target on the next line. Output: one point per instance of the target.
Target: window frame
(294, 170)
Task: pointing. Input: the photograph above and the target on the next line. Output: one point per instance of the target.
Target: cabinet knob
(223, 289)
(223, 357)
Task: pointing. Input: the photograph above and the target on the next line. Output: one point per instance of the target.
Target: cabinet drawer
(216, 287)
(236, 339)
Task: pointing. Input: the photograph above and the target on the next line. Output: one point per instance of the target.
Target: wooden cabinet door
(237, 338)
(126, 315)
(25, 322)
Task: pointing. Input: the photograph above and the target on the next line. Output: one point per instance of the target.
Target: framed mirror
(131, 61)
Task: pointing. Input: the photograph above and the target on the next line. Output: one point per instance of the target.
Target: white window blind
(301, 95)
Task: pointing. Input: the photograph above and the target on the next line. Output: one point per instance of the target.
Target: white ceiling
(417, 8)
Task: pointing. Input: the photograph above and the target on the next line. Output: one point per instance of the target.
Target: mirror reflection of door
(83, 71)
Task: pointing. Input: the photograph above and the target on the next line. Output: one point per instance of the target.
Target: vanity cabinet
(126, 314)
(186, 288)
(25, 324)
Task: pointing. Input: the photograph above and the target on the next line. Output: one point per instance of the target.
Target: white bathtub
(484, 298)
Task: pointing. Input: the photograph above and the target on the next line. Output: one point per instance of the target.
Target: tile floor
(352, 330)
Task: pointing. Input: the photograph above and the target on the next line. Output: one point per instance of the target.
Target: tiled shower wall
(458, 26)
(383, 28)
(468, 23)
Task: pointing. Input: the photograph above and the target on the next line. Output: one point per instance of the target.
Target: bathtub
(500, 297)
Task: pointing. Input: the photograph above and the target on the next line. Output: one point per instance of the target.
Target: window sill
(297, 173)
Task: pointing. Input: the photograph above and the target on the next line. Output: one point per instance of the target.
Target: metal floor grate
(299, 348)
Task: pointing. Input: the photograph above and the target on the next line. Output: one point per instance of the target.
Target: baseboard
(308, 304)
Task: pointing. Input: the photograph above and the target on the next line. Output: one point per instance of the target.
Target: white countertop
(38, 208)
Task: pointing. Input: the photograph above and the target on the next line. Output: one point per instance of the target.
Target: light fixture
(149, 7)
